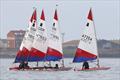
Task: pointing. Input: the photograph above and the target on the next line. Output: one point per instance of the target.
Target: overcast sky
(15, 15)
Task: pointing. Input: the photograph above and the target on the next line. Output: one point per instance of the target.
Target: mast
(36, 25)
(62, 47)
(96, 42)
(49, 63)
(62, 41)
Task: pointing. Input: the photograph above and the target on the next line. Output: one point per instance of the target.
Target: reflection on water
(111, 74)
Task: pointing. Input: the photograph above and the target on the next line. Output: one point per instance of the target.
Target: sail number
(33, 29)
(55, 37)
(86, 38)
(30, 37)
(41, 38)
(54, 28)
(41, 29)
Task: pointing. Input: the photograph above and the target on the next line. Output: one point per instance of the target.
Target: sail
(54, 52)
(26, 44)
(87, 49)
(40, 43)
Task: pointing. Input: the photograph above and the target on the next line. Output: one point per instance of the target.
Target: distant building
(15, 38)
(3, 43)
(72, 43)
(107, 46)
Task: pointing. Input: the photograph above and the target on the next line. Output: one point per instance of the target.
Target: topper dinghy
(87, 49)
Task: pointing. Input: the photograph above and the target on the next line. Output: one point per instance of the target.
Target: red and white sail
(26, 44)
(40, 43)
(87, 49)
(54, 52)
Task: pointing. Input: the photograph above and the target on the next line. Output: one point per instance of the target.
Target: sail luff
(62, 35)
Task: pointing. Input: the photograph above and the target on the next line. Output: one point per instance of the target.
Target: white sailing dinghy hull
(41, 69)
(93, 69)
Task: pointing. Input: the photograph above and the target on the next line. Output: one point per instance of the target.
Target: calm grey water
(111, 74)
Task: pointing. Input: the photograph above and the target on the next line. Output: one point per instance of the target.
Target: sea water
(111, 74)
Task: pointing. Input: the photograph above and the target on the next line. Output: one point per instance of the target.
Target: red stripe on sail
(55, 15)
(36, 53)
(33, 16)
(90, 15)
(23, 53)
(82, 53)
(19, 53)
(54, 52)
(42, 15)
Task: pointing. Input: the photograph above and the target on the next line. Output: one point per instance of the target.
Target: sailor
(85, 65)
(21, 66)
(56, 66)
(26, 64)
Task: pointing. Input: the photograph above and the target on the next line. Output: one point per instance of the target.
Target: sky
(72, 14)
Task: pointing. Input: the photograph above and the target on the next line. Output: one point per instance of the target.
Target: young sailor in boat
(26, 64)
(85, 65)
(23, 65)
(56, 66)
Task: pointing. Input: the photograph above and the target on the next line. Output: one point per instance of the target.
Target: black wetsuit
(56, 66)
(21, 66)
(85, 65)
(26, 65)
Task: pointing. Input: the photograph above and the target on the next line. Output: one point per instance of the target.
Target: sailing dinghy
(39, 45)
(25, 47)
(87, 49)
(55, 52)
(41, 50)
